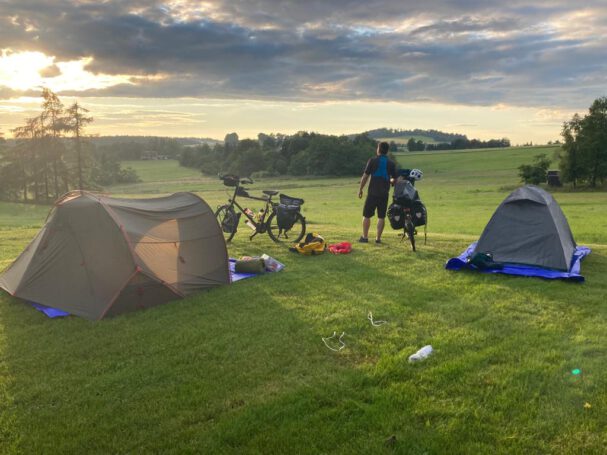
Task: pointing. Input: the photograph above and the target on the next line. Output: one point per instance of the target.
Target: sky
(484, 68)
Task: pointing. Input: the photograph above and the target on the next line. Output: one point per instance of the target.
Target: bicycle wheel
(410, 230)
(293, 235)
(228, 221)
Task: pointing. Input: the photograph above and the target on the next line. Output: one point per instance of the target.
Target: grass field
(242, 369)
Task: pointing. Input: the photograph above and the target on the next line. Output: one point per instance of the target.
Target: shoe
(378, 241)
(363, 240)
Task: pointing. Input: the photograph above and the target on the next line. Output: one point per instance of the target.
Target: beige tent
(98, 256)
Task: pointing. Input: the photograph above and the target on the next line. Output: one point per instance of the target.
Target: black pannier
(396, 216)
(287, 210)
(230, 180)
(418, 213)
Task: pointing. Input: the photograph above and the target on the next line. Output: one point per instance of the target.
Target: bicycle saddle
(270, 192)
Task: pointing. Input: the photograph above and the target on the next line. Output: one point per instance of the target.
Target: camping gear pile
(312, 245)
(527, 235)
(98, 256)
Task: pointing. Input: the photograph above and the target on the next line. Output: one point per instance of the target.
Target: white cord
(342, 344)
(375, 323)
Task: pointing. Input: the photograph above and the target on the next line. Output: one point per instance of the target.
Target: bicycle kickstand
(253, 235)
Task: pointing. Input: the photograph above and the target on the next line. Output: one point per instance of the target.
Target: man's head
(383, 148)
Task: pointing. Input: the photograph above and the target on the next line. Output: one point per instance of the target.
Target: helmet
(416, 174)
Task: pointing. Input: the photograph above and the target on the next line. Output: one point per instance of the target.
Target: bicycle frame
(260, 224)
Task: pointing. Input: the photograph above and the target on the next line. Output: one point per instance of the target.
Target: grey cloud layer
(458, 51)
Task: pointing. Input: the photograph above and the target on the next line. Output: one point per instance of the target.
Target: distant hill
(112, 140)
(426, 136)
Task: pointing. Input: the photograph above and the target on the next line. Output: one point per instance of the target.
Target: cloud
(50, 71)
(458, 51)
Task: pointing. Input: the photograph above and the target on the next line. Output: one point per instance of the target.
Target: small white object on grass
(341, 343)
(421, 354)
(375, 323)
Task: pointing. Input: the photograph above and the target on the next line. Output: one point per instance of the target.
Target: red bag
(340, 248)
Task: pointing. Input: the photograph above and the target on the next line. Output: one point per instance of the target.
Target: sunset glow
(25, 71)
(484, 69)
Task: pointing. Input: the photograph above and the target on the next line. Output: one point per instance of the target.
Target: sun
(27, 70)
(21, 70)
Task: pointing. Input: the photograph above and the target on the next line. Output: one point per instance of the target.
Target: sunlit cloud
(31, 70)
(219, 59)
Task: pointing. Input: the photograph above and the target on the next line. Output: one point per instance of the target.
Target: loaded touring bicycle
(282, 220)
(407, 212)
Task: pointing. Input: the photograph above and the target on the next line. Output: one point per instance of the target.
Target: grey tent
(98, 256)
(529, 228)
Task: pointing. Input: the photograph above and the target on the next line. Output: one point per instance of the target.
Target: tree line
(438, 136)
(584, 152)
(304, 153)
(51, 155)
(582, 158)
(457, 144)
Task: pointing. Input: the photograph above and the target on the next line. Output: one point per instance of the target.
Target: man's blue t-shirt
(381, 169)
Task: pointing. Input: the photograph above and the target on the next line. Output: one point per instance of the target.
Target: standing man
(381, 170)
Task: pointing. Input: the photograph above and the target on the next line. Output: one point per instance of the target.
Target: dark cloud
(457, 51)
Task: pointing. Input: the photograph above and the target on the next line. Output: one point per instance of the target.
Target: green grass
(242, 369)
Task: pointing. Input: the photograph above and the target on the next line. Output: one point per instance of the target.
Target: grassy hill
(243, 369)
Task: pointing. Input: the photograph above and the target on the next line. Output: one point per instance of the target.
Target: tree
(76, 120)
(570, 166)
(53, 125)
(231, 141)
(411, 144)
(585, 145)
(535, 173)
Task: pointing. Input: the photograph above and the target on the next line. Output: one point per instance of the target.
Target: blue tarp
(238, 276)
(461, 262)
(49, 311)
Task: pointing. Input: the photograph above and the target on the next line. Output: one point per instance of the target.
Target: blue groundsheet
(56, 313)
(461, 262)
(238, 276)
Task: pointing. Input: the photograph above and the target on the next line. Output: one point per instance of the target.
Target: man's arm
(363, 182)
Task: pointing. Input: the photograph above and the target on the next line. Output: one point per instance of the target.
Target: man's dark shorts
(375, 202)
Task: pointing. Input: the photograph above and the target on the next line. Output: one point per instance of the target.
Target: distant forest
(270, 155)
(438, 136)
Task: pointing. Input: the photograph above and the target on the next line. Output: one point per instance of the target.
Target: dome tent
(529, 228)
(98, 256)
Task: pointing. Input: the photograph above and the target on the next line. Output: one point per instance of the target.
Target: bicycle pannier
(287, 210)
(230, 222)
(418, 213)
(396, 216)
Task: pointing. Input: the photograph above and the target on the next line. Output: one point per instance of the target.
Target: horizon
(191, 69)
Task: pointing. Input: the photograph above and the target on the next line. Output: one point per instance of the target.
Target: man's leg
(368, 212)
(366, 225)
(380, 228)
(382, 208)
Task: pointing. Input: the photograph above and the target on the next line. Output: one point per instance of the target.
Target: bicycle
(282, 221)
(409, 228)
(407, 211)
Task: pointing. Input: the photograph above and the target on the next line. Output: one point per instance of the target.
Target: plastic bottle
(249, 212)
(421, 354)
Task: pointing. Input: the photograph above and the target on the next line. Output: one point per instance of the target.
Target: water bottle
(421, 354)
(249, 212)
